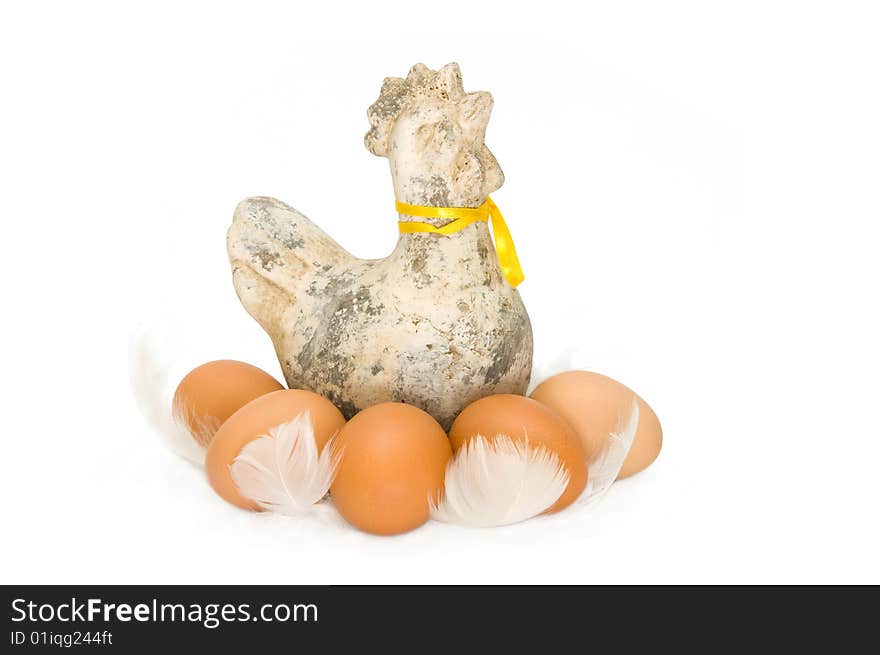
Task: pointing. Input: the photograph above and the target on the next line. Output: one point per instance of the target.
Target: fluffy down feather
(153, 393)
(606, 464)
(282, 471)
(499, 482)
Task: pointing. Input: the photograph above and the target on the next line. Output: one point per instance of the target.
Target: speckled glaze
(434, 324)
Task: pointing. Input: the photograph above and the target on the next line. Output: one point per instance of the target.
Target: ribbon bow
(461, 218)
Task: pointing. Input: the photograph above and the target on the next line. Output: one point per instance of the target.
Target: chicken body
(434, 324)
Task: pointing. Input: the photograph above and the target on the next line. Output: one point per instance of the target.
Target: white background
(693, 188)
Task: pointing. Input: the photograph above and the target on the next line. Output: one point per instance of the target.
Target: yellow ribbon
(461, 218)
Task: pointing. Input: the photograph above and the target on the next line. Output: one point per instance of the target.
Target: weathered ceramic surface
(435, 324)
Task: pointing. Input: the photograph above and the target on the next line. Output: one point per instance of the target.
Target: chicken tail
(275, 254)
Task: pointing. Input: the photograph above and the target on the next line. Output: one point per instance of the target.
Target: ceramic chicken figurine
(435, 324)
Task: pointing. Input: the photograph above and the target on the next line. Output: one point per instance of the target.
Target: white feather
(606, 464)
(499, 482)
(153, 395)
(202, 428)
(282, 471)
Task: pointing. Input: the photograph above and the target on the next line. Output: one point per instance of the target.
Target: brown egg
(211, 393)
(519, 418)
(594, 405)
(255, 420)
(394, 459)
